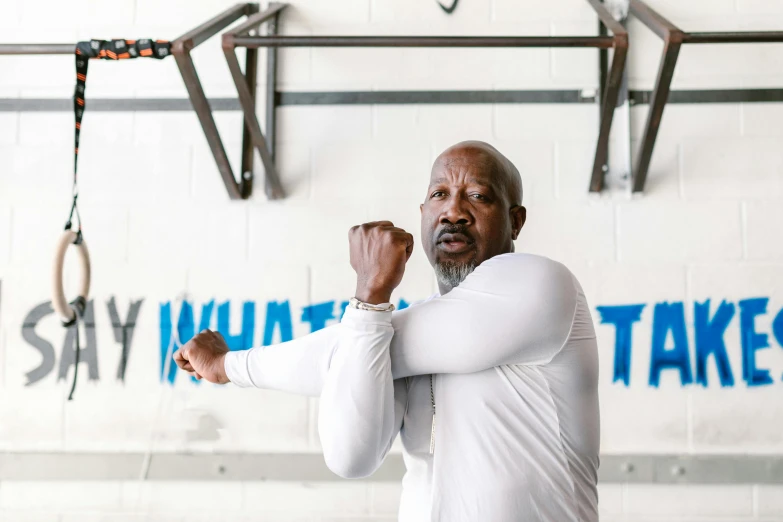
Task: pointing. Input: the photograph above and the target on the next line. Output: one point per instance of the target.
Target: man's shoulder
(421, 301)
(525, 265)
(521, 274)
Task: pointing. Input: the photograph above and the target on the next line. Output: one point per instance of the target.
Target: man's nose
(456, 212)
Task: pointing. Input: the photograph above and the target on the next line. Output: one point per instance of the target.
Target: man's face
(466, 216)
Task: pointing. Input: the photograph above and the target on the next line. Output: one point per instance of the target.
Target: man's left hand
(204, 356)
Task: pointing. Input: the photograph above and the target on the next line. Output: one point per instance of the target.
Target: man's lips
(455, 243)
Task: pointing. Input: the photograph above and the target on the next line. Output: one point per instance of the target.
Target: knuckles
(386, 233)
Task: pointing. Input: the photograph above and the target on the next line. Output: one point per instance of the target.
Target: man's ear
(518, 216)
(421, 208)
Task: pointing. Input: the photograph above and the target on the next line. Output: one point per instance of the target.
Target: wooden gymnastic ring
(59, 302)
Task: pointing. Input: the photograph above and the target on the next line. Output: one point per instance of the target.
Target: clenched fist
(379, 251)
(204, 356)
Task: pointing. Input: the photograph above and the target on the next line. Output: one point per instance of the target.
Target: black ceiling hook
(451, 9)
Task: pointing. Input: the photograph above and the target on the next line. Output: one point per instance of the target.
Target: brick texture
(161, 229)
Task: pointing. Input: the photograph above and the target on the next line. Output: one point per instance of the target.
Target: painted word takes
(690, 362)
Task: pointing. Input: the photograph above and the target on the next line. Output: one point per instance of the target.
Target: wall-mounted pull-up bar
(246, 91)
(245, 82)
(181, 48)
(240, 37)
(673, 38)
(264, 141)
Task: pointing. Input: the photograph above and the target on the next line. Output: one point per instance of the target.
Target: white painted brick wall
(160, 226)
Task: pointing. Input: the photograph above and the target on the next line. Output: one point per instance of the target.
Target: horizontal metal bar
(210, 28)
(113, 104)
(424, 41)
(37, 48)
(713, 96)
(433, 97)
(733, 37)
(256, 20)
(390, 97)
(653, 19)
(310, 467)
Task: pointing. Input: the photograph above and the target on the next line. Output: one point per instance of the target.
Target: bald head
(505, 173)
(473, 210)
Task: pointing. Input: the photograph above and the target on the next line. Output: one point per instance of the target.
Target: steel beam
(272, 12)
(674, 38)
(271, 84)
(610, 94)
(248, 154)
(713, 96)
(733, 37)
(433, 97)
(210, 28)
(424, 41)
(201, 105)
(274, 188)
(689, 96)
(671, 50)
(33, 48)
(181, 49)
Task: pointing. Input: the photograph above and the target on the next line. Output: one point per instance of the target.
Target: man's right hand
(379, 251)
(204, 356)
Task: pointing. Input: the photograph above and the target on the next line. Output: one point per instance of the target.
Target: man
(491, 384)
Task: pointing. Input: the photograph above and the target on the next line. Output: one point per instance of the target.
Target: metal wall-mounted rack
(245, 81)
(673, 38)
(239, 37)
(263, 141)
(181, 48)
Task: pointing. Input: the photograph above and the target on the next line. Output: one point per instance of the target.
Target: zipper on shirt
(432, 433)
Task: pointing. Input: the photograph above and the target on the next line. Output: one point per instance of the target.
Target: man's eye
(437, 194)
(479, 197)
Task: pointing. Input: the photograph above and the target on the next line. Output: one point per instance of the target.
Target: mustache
(454, 229)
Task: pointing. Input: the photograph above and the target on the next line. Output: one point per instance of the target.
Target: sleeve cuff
(236, 368)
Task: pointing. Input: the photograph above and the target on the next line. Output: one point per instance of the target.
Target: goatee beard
(451, 274)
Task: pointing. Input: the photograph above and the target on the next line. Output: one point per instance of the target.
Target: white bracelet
(361, 305)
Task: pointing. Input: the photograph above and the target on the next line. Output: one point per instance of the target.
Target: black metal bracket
(673, 38)
(239, 37)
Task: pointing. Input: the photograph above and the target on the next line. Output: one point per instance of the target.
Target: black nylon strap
(106, 50)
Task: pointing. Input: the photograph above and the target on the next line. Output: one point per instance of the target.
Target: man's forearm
(297, 366)
(357, 411)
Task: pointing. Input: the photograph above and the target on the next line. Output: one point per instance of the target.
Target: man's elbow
(347, 462)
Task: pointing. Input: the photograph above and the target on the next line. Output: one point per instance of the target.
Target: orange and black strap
(106, 50)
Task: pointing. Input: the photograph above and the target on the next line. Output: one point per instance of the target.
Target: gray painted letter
(88, 352)
(123, 333)
(39, 343)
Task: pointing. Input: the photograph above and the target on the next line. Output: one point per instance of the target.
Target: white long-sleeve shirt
(513, 355)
